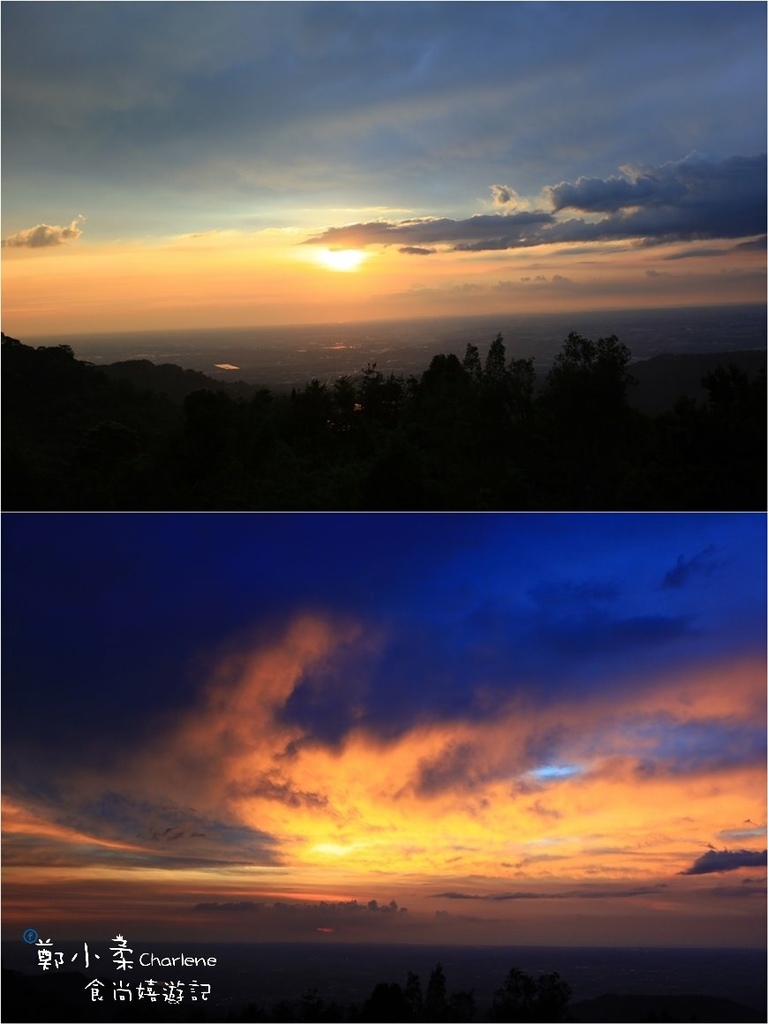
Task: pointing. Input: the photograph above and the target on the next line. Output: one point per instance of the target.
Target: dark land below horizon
(606, 984)
(288, 356)
(671, 420)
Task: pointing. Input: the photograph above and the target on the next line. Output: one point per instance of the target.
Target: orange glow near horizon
(226, 279)
(449, 803)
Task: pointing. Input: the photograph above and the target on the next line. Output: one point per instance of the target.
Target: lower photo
(384, 767)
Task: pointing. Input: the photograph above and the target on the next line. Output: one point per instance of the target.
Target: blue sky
(545, 602)
(236, 109)
(208, 143)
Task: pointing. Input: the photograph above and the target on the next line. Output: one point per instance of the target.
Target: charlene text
(151, 960)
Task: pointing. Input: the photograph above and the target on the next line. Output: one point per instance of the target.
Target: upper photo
(384, 256)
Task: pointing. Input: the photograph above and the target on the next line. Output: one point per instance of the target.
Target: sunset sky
(169, 165)
(522, 729)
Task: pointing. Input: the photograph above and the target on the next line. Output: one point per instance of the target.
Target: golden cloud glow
(453, 792)
(443, 802)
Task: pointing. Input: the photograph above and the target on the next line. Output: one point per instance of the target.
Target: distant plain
(288, 356)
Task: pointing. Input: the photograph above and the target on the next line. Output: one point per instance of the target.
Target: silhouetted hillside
(618, 1009)
(74, 439)
(171, 380)
(663, 380)
(464, 435)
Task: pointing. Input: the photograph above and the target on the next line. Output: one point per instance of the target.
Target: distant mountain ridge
(661, 380)
(172, 380)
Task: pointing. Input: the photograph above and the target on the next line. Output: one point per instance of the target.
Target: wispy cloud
(686, 569)
(585, 893)
(324, 907)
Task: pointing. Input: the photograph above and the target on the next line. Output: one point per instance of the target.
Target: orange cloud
(236, 797)
(413, 801)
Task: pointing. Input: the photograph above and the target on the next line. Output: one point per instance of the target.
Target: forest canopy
(470, 434)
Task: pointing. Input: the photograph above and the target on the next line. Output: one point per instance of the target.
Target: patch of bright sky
(555, 771)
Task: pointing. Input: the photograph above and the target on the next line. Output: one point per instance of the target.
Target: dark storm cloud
(718, 861)
(685, 570)
(691, 199)
(693, 181)
(499, 232)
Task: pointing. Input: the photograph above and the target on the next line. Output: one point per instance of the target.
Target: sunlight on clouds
(334, 849)
(342, 259)
(468, 793)
(500, 797)
(225, 278)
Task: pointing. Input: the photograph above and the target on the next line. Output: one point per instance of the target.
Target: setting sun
(342, 259)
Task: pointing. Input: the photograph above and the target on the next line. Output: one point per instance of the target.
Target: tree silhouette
(524, 999)
(495, 369)
(472, 365)
(387, 1003)
(465, 435)
(590, 376)
(521, 378)
(414, 997)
